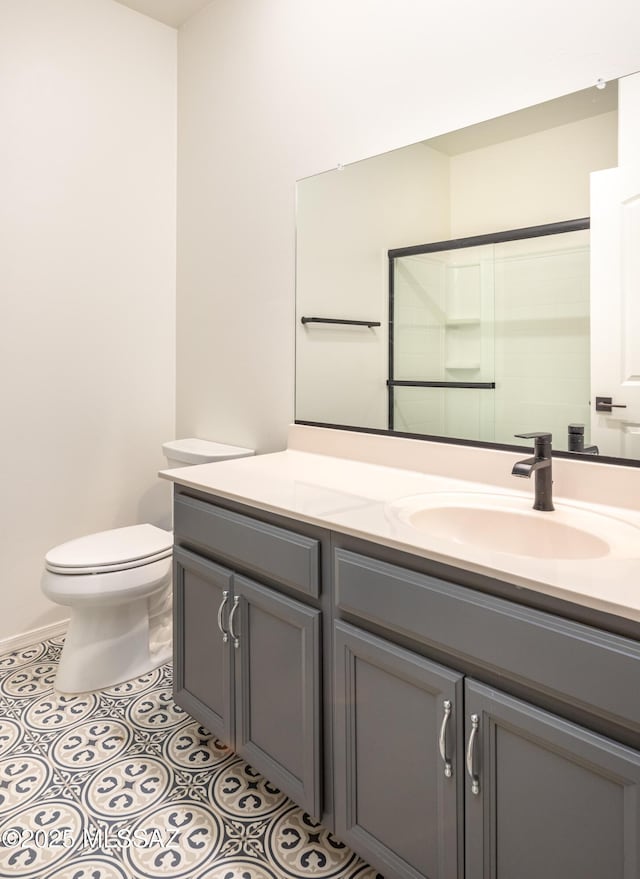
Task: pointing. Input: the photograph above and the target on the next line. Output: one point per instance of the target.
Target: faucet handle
(542, 444)
(544, 437)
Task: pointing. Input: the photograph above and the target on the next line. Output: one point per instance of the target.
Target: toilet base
(107, 647)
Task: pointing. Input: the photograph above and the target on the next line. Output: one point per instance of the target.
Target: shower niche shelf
(456, 367)
(454, 322)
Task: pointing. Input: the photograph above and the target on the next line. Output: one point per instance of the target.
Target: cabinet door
(202, 661)
(397, 803)
(553, 800)
(278, 713)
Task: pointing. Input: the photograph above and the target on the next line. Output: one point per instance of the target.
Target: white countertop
(356, 497)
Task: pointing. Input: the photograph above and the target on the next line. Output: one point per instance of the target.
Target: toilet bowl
(108, 579)
(117, 586)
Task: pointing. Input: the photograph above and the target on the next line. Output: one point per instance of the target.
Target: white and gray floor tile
(122, 784)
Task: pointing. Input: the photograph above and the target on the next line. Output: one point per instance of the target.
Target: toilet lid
(114, 550)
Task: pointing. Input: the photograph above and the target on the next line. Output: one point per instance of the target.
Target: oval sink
(508, 524)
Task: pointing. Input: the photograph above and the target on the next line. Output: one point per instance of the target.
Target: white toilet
(117, 585)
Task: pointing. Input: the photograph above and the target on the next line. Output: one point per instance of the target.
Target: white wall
(528, 181)
(274, 90)
(87, 278)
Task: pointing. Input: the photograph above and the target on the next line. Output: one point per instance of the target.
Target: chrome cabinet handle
(475, 781)
(442, 741)
(225, 635)
(235, 638)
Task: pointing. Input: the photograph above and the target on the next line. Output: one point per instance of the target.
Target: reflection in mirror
(506, 321)
(491, 332)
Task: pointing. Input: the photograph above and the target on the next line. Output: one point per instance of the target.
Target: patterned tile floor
(122, 784)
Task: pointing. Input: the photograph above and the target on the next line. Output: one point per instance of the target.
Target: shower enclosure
(489, 336)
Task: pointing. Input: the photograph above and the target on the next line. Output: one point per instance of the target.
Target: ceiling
(569, 108)
(171, 12)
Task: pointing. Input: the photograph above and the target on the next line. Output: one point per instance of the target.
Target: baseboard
(35, 636)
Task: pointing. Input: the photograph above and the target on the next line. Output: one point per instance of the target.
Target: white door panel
(615, 288)
(630, 277)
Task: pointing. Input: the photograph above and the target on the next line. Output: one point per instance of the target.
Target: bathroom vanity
(445, 716)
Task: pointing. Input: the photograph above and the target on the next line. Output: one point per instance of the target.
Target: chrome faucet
(540, 465)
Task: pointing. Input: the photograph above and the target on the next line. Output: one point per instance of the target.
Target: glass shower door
(441, 358)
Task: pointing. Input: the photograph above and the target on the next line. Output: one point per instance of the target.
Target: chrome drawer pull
(442, 741)
(236, 639)
(475, 781)
(225, 635)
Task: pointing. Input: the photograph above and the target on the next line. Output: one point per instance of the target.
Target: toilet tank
(185, 452)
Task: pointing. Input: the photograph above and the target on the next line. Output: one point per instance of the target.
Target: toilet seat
(120, 549)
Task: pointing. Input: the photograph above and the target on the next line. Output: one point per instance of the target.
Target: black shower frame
(457, 244)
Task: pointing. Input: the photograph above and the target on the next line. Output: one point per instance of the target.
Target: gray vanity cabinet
(537, 795)
(247, 657)
(398, 766)
(545, 797)
(465, 735)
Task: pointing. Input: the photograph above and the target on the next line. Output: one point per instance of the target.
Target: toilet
(117, 585)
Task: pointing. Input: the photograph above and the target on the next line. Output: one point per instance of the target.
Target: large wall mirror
(445, 289)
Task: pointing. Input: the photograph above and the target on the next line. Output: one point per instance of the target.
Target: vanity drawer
(265, 550)
(585, 666)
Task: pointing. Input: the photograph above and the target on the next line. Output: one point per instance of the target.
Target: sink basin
(508, 524)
